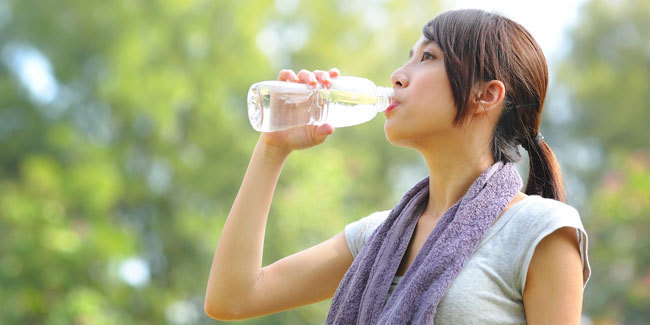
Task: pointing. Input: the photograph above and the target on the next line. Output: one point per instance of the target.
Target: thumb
(322, 131)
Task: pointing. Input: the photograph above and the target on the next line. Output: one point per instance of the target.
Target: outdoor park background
(124, 138)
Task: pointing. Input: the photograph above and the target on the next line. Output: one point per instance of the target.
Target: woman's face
(426, 107)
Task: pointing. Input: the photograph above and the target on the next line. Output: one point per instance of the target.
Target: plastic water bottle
(279, 105)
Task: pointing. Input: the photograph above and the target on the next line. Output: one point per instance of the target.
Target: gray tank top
(489, 289)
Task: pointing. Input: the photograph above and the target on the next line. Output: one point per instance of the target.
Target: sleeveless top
(489, 289)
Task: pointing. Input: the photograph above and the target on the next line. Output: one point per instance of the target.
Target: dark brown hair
(479, 46)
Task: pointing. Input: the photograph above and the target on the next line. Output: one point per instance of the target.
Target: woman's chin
(394, 136)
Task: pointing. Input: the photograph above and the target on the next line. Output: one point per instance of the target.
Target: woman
(464, 245)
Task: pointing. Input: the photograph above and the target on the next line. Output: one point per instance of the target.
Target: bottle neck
(385, 98)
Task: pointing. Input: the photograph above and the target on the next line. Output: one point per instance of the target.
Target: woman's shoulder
(536, 211)
(358, 232)
(531, 217)
(534, 219)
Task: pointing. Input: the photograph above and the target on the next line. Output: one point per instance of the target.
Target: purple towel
(361, 294)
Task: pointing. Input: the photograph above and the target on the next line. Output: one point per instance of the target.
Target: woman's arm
(238, 286)
(554, 283)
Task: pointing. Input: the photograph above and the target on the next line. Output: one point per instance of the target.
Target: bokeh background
(124, 138)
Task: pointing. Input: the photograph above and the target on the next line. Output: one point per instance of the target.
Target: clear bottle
(279, 105)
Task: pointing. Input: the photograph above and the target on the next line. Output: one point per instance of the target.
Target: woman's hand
(304, 136)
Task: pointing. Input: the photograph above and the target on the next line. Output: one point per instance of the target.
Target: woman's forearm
(237, 262)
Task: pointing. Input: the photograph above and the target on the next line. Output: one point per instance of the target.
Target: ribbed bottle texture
(279, 105)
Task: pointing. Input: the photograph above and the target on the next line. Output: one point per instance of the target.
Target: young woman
(464, 245)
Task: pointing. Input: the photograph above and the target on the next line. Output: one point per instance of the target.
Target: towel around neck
(361, 294)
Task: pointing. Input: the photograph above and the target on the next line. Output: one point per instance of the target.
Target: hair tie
(539, 137)
(527, 105)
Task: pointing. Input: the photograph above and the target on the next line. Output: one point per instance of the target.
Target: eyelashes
(426, 56)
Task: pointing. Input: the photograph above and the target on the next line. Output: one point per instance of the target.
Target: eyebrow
(424, 44)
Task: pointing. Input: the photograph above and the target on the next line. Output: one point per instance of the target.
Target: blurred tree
(607, 74)
(607, 70)
(124, 138)
(620, 236)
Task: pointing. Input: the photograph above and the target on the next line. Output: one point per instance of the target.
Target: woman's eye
(426, 56)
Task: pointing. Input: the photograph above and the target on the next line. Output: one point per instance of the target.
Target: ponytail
(544, 176)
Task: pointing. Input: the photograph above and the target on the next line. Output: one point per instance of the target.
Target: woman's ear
(489, 97)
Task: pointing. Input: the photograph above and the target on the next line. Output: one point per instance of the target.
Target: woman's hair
(479, 46)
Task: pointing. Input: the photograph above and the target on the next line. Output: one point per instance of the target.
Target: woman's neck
(452, 171)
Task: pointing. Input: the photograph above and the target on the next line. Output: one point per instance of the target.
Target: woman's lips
(391, 107)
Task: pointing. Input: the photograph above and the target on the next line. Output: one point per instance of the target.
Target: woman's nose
(399, 79)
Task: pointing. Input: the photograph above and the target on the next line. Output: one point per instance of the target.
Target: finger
(334, 72)
(323, 77)
(307, 77)
(287, 75)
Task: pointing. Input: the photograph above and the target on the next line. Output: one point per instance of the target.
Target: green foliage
(140, 151)
(620, 238)
(607, 70)
(607, 73)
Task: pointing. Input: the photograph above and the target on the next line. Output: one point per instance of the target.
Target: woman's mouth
(391, 107)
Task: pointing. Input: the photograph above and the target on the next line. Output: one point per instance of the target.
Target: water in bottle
(280, 105)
